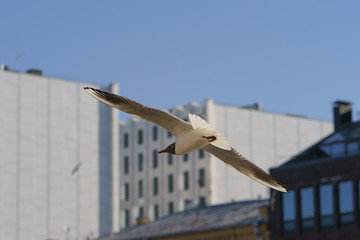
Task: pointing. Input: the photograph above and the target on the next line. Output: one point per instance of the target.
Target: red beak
(162, 151)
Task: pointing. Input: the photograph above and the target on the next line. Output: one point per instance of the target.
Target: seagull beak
(162, 151)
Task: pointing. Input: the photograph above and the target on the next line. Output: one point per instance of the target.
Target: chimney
(4, 67)
(342, 114)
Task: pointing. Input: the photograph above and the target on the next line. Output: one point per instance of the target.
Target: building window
(359, 196)
(188, 204)
(126, 165)
(140, 183)
(186, 157)
(140, 162)
(170, 183)
(170, 159)
(288, 212)
(201, 177)
(171, 207)
(127, 218)
(201, 153)
(140, 136)
(155, 133)
(141, 212)
(155, 158)
(307, 209)
(352, 147)
(155, 186)
(126, 192)
(326, 201)
(186, 180)
(202, 202)
(346, 203)
(156, 211)
(126, 140)
(338, 149)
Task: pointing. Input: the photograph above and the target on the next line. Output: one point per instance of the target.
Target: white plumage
(191, 136)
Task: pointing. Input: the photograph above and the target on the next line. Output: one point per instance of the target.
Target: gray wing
(240, 163)
(162, 118)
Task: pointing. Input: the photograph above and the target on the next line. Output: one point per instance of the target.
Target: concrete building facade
(155, 185)
(57, 149)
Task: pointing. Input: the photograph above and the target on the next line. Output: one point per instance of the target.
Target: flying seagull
(76, 168)
(191, 136)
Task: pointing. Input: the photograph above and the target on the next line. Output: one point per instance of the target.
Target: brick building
(324, 181)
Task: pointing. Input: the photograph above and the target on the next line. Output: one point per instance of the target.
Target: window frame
(155, 186)
(140, 162)
(155, 159)
(140, 189)
(326, 220)
(140, 136)
(291, 221)
(170, 159)
(126, 165)
(346, 217)
(170, 183)
(126, 191)
(305, 206)
(186, 180)
(202, 177)
(155, 133)
(126, 140)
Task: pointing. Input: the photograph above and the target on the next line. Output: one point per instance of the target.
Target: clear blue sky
(292, 56)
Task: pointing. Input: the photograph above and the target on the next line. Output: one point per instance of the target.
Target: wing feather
(162, 118)
(198, 122)
(240, 163)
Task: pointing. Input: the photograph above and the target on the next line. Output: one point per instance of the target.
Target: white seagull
(191, 136)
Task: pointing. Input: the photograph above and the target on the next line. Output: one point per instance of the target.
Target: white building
(49, 127)
(155, 185)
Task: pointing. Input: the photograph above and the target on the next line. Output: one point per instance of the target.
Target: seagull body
(193, 140)
(191, 136)
(190, 141)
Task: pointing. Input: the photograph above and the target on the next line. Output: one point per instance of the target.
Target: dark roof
(341, 102)
(341, 143)
(197, 220)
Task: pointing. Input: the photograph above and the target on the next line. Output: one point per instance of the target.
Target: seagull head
(169, 149)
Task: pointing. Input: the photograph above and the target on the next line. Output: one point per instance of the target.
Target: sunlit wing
(162, 118)
(240, 163)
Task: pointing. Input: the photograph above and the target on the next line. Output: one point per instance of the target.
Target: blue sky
(292, 56)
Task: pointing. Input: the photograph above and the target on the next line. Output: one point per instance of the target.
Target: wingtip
(284, 189)
(91, 90)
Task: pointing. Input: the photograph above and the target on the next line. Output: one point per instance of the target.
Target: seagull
(191, 136)
(76, 168)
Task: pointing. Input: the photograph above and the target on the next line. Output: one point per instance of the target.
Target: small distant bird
(17, 57)
(76, 168)
(191, 136)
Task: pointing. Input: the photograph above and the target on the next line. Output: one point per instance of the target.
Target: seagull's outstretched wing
(162, 118)
(240, 163)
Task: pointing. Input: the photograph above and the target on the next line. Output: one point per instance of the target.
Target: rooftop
(343, 142)
(197, 220)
